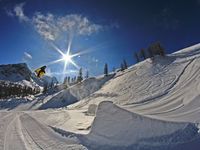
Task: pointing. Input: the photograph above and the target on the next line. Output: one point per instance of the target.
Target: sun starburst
(68, 57)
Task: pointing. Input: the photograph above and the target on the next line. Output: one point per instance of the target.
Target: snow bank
(116, 128)
(76, 92)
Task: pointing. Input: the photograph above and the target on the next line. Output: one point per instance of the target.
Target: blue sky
(108, 30)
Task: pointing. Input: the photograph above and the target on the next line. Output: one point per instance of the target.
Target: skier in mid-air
(40, 71)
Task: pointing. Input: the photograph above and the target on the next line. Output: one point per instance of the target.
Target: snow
(151, 105)
(76, 92)
(15, 72)
(21, 131)
(115, 127)
(167, 88)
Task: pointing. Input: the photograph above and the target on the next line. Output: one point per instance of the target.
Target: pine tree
(143, 55)
(65, 80)
(156, 49)
(136, 57)
(68, 80)
(122, 67)
(161, 49)
(125, 64)
(150, 53)
(106, 69)
(80, 76)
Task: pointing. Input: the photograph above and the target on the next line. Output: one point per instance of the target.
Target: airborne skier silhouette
(40, 71)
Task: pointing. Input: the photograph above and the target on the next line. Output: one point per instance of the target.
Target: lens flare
(67, 58)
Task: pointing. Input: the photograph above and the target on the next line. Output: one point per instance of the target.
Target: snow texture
(116, 128)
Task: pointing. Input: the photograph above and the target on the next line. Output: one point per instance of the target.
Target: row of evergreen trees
(150, 52)
(153, 50)
(73, 80)
(10, 90)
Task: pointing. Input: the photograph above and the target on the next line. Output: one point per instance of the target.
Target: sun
(67, 58)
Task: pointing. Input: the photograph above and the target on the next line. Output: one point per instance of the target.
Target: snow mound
(116, 128)
(76, 92)
(92, 109)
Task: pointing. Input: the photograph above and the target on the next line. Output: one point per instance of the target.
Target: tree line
(10, 89)
(76, 79)
(153, 50)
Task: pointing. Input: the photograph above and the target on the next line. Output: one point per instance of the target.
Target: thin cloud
(46, 26)
(9, 13)
(78, 24)
(27, 55)
(50, 26)
(19, 12)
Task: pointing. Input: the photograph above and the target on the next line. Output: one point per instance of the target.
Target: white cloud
(27, 55)
(78, 24)
(51, 26)
(19, 12)
(46, 26)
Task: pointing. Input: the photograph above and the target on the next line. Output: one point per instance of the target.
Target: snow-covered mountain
(20, 73)
(15, 72)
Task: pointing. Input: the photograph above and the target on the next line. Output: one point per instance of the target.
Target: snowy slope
(167, 87)
(75, 92)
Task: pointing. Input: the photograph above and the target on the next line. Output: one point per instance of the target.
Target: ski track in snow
(19, 131)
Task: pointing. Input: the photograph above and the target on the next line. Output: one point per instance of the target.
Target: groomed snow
(116, 128)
